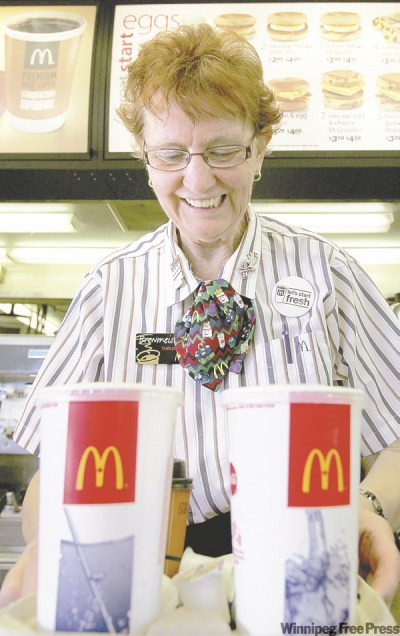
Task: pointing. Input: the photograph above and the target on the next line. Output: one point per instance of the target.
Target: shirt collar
(181, 281)
(240, 270)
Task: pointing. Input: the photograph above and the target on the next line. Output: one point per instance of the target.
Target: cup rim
(106, 391)
(44, 37)
(272, 394)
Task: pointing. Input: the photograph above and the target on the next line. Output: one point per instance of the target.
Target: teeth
(205, 203)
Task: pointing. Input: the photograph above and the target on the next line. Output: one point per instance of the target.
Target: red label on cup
(101, 452)
(319, 455)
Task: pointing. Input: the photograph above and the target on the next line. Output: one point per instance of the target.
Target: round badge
(293, 296)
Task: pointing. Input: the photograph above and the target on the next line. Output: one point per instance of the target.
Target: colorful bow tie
(214, 335)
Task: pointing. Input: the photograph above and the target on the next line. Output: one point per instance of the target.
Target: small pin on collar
(248, 264)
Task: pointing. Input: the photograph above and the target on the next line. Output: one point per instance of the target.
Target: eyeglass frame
(202, 154)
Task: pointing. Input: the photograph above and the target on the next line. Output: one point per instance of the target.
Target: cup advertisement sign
(45, 79)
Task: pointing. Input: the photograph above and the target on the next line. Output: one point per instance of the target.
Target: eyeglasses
(218, 157)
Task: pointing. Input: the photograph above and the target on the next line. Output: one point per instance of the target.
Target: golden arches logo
(325, 465)
(100, 462)
(221, 368)
(43, 55)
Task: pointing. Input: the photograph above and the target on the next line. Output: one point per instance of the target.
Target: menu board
(45, 76)
(334, 67)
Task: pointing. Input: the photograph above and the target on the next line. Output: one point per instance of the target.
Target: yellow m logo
(324, 465)
(100, 462)
(220, 367)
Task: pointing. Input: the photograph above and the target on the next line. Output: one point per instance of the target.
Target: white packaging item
(202, 588)
(191, 559)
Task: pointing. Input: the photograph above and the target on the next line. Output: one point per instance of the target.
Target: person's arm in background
(378, 553)
(22, 578)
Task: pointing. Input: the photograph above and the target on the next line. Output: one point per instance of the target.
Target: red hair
(208, 73)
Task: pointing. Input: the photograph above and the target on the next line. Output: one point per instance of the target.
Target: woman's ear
(268, 137)
(262, 143)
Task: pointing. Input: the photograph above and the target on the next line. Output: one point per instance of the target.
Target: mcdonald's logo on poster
(319, 455)
(101, 452)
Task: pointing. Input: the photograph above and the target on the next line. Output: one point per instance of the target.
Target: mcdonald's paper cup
(105, 480)
(295, 469)
(41, 51)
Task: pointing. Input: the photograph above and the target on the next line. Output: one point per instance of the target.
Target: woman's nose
(198, 175)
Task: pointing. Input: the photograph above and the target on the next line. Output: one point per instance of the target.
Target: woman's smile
(205, 204)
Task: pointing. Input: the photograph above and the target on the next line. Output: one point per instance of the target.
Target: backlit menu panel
(334, 67)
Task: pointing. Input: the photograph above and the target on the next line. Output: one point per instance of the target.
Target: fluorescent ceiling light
(331, 217)
(59, 255)
(338, 223)
(361, 207)
(375, 255)
(38, 222)
(27, 206)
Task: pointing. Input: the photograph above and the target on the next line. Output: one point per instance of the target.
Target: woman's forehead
(197, 107)
(170, 119)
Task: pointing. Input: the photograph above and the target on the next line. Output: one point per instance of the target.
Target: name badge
(155, 348)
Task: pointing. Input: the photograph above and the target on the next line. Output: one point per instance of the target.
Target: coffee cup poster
(45, 76)
(334, 67)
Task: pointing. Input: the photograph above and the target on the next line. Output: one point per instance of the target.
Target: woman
(201, 118)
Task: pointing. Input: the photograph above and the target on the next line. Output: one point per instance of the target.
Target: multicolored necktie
(214, 335)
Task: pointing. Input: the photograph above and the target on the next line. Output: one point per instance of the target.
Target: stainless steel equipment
(21, 357)
(11, 538)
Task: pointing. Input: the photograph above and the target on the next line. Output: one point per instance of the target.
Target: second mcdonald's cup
(295, 470)
(105, 480)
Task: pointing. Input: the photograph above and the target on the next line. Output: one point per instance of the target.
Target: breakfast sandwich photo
(340, 26)
(388, 26)
(388, 91)
(343, 89)
(287, 25)
(291, 93)
(242, 23)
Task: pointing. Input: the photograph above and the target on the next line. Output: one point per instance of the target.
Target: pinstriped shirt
(348, 337)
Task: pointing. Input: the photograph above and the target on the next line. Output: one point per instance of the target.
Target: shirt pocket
(302, 359)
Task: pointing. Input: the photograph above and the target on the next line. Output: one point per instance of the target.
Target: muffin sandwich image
(242, 23)
(340, 26)
(343, 89)
(291, 93)
(287, 25)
